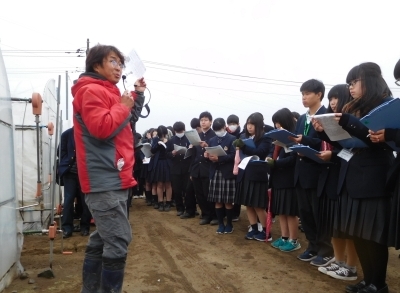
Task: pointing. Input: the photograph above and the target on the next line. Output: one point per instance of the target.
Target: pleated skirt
(327, 209)
(252, 193)
(145, 174)
(221, 189)
(394, 223)
(284, 202)
(161, 172)
(366, 218)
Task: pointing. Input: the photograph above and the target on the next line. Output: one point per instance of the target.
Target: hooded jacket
(103, 135)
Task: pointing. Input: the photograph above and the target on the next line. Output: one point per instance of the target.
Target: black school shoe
(67, 234)
(372, 289)
(85, 233)
(186, 215)
(355, 288)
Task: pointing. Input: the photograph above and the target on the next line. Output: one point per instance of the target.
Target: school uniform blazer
(257, 171)
(178, 164)
(365, 174)
(225, 163)
(159, 152)
(393, 172)
(200, 166)
(283, 171)
(306, 170)
(68, 154)
(329, 177)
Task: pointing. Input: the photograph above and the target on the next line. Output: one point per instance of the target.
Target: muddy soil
(169, 254)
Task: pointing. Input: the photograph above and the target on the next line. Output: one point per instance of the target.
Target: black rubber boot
(91, 275)
(112, 275)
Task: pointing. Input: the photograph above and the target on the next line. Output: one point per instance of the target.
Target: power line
(221, 73)
(221, 77)
(208, 87)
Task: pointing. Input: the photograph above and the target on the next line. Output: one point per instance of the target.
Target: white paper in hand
(134, 65)
(193, 136)
(180, 149)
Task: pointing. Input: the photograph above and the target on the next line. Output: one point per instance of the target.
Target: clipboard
(193, 137)
(384, 116)
(281, 135)
(216, 151)
(180, 149)
(308, 152)
(146, 150)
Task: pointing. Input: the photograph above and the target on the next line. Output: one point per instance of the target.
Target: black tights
(373, 258)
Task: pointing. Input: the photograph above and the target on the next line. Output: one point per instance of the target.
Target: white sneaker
(333, 267)
(343, 274)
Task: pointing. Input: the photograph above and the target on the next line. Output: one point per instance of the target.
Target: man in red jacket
(105, 159)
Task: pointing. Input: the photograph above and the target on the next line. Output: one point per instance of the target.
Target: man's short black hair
(396, 71)
(232, 119)
(97, 54)
(218, 124)
(205, 114)
(179, 126)
(194, 123)
(313, 86)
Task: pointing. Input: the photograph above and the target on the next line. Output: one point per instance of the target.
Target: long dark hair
(340, 92)
(285, 118)
(257, 120)
(162, 132)
(374, 89)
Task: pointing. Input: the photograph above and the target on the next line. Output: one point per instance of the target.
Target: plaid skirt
(221, 189)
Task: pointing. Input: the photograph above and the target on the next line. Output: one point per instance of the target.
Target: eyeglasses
(115, 64)
(397, 82)
(353, 82)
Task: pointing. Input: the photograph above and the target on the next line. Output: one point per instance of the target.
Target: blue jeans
(113, 230)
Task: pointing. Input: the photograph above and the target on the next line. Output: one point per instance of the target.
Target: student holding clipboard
(365, 207)
(222, 181)
(329, 200)
(393, 179)
(319, 250)
(284, 199)
(252, 187)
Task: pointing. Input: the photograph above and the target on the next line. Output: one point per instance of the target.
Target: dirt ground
(173, 255)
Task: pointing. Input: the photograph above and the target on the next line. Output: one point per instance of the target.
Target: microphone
(123, 80)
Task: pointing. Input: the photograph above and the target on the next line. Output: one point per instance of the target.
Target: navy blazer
(68, 155)
(225, 163)
(283, 171)
(393, 172)
(306, 170)
(178, 164)
(365, 174)
(200, 166)
(159, 153)
(257, 171)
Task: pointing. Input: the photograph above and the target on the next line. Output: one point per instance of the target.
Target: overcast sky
(227, 57)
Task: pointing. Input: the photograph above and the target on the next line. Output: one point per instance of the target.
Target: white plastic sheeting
(10, 236)
(35, 218)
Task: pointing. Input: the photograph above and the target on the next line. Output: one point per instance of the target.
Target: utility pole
(66, 95)
(87, 47)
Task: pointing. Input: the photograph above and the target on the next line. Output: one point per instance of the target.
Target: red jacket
(103, 136)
